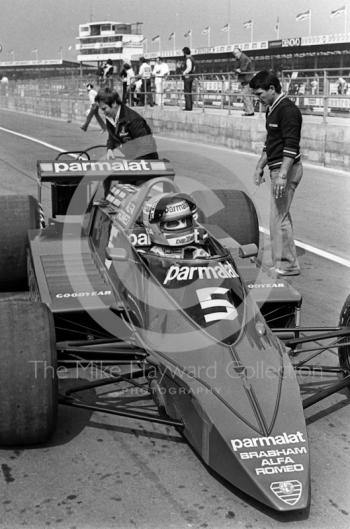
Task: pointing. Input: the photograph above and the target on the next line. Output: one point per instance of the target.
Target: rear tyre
(237, 215)
(28, 381)
(18, 214)
(344, 350)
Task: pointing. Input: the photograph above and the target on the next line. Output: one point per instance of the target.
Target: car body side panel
(67, 275)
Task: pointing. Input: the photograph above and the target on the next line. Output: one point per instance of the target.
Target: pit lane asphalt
(104, 472)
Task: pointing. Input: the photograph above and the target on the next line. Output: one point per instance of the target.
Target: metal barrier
(314, 91)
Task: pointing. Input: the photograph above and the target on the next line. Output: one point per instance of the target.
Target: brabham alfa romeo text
(277, 461)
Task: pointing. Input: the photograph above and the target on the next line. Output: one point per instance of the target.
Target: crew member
(126, 129)
(281, 154)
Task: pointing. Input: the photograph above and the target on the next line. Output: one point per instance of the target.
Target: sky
(49, 25)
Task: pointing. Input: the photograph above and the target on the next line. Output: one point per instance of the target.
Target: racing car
(201, 329)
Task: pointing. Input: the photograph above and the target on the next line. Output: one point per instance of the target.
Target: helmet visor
(177, 224)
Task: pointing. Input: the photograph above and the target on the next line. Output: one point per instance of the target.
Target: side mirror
(117, 254)
(248, 250)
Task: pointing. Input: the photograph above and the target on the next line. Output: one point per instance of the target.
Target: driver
(169, 220)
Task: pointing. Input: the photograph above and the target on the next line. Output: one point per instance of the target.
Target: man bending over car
(127, 130)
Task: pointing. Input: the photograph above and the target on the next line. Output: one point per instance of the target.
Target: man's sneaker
(83, 128)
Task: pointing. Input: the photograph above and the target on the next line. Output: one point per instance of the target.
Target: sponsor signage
(256, 442)
(83, 294)
(185, 273)
(139, 238)
(275, 43)
(103, 168)
(273, 454)
(31, 63)
(266, 285)
(325, 39)
(293, 41)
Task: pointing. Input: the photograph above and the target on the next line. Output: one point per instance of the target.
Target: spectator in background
(187, 75)
(128, 77)
(130, 83)
(342, 86)
(286, 83)
(314, 85)
(136, 89)
(108, 73)
(93, 110)
(281, 154)
(123, 75)
(4, 85)
(145, 73)
(160, 73)
(99, 73)
(244, 69)
(127, 130)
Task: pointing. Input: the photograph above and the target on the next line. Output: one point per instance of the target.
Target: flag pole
(310, 24)
(228, 34)
(345, 20)
(209, 37)
(159, 45)
(251, 31)
(174, 42)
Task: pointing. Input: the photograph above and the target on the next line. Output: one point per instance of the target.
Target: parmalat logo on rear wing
(84, 166)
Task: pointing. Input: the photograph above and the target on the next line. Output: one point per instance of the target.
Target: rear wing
(65, 175)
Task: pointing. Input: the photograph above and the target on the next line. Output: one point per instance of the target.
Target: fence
(317, 92)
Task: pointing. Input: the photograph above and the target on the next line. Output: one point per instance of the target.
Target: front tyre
(28, 379)
(18, 214)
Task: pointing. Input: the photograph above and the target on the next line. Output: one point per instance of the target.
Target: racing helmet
(168, 217)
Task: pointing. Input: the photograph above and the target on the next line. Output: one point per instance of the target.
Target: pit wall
(326, 144)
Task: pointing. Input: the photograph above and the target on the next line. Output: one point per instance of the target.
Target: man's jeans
(284, 255)
(94, 112)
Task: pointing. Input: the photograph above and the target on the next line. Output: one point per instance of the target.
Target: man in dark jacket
(281, 153)
(126, 129)
(244, 69)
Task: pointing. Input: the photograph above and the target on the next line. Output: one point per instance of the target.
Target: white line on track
(317, 251)
(246, 153)
(307, 247)
(35, 140)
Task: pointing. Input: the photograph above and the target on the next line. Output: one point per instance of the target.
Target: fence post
(325, 96)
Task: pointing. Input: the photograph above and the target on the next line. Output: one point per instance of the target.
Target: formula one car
(214, 340)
